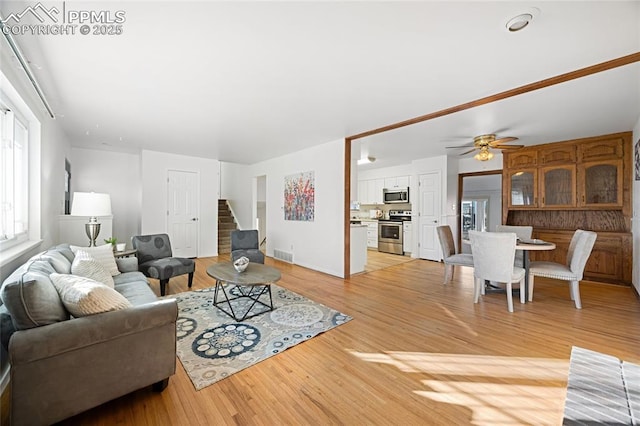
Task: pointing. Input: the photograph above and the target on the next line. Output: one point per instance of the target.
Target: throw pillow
(83, 296)
(30, 297)
(86, 266)
(103, 254)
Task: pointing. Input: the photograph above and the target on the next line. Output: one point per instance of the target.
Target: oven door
(390, 237)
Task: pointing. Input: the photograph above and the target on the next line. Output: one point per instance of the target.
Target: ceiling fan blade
(507, 146)
(502, 140)
(467, 152)
(466, 145)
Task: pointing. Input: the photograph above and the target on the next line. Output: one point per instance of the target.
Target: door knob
(195, 219)
(435, 221)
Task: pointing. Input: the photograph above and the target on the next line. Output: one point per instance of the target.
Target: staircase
(226, 224)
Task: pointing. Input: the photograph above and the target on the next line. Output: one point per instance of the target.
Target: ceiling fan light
(483, 155)
(519, 22)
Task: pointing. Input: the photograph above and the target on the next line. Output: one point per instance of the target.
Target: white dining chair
(450, 256)
(493, 257)
(579, 251)
(523, 233)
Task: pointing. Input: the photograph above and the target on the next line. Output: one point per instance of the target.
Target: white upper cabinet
(396, 182)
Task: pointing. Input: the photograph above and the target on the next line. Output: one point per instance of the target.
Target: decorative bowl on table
(241, 263)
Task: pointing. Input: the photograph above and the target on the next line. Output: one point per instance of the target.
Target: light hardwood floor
(378, 260)
(416, 353)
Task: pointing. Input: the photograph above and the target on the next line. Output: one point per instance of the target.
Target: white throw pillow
(83, 296)
(103, 254)
(85, 265)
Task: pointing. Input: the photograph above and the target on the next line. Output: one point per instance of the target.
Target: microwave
(395, 195)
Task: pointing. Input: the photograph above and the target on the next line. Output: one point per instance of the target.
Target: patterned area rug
(213, 346)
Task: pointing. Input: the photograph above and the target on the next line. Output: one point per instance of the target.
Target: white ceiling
(248, 81)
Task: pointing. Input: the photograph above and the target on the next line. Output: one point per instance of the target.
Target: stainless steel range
(390, 231)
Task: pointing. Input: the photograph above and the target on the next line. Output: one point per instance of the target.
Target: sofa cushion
(83, 296)
(31, 298)
(103, 254)
(129, 277)
(136, 292)
(60, 263)
(86, 266)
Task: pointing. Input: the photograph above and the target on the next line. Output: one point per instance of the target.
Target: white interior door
(430, 195)
(182, 212)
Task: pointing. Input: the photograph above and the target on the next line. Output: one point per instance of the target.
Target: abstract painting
(299, 197)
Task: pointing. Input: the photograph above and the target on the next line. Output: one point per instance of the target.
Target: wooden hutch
(578, 184)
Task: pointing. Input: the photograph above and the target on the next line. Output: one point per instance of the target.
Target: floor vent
(285, 256)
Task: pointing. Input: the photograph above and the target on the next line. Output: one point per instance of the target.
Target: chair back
(493, 255)
(244, 239)
(579, 251)
(522, 232)
(446, 241)
(151, 247)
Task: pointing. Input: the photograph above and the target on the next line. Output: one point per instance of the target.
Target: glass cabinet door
(522, 188)
(602, 184)
(558, 186)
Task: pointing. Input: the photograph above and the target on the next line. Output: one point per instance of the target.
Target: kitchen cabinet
(523, 187)
(358, 248)
(407, 237)
(579, 184)
(610, 260)
(370, 191)
(396, 182)
(558, 186)
(372, 234)
(601, 184)
(569, 174)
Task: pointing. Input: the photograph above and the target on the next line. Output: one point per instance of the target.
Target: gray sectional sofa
(60, 365)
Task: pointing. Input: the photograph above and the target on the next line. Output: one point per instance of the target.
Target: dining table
(525, 246)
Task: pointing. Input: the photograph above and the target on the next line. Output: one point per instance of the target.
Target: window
(14, 178)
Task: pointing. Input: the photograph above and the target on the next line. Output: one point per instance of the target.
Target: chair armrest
(127, 264)
(42, 342)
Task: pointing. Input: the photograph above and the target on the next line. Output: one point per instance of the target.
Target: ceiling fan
(483, 143)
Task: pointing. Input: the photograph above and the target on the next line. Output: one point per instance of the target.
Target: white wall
(317, 245)
(114, 173)
(403, 170)
(54, 148)
(154, 168)
(635, 221)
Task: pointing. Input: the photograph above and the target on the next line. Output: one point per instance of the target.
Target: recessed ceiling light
(522, 20)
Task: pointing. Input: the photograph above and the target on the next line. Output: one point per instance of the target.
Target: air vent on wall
(285, 256)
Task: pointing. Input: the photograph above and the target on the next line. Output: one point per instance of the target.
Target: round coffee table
(251, 284)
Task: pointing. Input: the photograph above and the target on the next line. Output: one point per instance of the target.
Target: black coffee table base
(253, 292)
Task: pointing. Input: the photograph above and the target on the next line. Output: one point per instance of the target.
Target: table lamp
(91, 204)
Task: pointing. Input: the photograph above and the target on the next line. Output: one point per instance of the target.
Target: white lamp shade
(91, 204)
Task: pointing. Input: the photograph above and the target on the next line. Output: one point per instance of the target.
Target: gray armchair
(245, 243)
(155, 259)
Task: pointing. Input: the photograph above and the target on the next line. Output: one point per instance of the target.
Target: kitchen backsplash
(363, 213)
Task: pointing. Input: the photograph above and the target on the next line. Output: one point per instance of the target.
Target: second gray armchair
(245, 243)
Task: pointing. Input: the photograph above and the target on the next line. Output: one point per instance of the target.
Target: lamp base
(93, 230)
